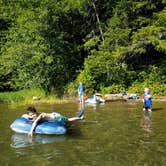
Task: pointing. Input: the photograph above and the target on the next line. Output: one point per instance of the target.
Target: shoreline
(75, 100)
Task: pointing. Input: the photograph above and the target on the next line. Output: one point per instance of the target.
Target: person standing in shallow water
(81, 90)
(147, 100)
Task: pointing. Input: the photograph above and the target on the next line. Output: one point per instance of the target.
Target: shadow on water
(22, 140)
(74, 131)
(156, 109)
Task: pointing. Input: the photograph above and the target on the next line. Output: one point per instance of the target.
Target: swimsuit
(59, 118)
(147, 101)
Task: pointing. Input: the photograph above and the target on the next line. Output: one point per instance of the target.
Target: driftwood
(119, 97)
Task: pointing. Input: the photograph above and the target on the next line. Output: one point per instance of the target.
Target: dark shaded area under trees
(53, 45)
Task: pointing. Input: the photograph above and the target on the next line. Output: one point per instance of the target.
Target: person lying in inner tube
(35, 116)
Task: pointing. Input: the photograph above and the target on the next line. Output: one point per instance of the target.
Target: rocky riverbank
(126, 97)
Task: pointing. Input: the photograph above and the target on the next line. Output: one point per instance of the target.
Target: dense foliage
(112, 46)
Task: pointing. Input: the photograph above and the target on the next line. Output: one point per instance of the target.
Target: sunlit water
(113, 134)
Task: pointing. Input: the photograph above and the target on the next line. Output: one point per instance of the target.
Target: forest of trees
(110, 45)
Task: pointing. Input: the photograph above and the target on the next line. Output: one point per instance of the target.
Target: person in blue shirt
(81, 90)
(147, 100)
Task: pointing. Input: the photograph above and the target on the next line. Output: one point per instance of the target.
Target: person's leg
(80, 116)
(149, 109)
(75, 118)
(81, 97)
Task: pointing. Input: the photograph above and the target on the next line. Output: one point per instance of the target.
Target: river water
(112, 134)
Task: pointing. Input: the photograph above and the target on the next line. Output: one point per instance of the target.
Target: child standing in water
(147, 100)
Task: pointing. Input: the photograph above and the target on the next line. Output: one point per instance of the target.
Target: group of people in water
(146, 98)
(33, 115)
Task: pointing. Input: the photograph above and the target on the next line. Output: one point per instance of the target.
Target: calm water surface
(113, 134)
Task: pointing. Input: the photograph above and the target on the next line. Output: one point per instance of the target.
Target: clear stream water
(113, 134)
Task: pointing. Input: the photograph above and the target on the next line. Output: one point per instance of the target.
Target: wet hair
(32, 109)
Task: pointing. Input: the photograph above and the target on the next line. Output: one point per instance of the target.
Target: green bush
(113, 89)
(156, 88)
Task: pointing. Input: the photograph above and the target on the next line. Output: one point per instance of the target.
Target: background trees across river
(112, 46)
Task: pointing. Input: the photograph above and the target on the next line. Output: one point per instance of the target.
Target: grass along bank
(37, 96)
(30, 96)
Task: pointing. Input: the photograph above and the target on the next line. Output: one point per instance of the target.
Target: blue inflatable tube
(22, 125)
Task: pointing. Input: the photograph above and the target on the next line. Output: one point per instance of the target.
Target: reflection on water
(94, 105)
(22, 140)
(146, 121)
(110, 135)
(81, 107)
